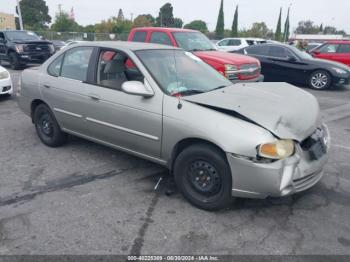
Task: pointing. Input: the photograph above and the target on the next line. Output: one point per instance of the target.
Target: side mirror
(137, 88)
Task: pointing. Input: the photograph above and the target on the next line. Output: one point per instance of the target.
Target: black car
(284, 63)
(22, 47)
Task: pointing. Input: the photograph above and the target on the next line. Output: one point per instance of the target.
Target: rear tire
(47, 127)
(14, 61)
(203, 176)
(320, 80)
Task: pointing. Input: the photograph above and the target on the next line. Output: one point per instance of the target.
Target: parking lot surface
(84, 198)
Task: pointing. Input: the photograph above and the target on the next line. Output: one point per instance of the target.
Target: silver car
(166, 105)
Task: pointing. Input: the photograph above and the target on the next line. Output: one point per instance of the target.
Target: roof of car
(338, 42)
(134, 46)
(163, 29)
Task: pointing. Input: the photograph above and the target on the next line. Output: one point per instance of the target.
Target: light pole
(20, 15)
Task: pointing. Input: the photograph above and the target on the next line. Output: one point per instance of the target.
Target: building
(317, 38)
(7, 21)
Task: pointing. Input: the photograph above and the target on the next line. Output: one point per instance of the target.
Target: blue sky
(333, 12)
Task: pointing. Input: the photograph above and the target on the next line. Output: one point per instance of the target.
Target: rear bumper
(260, 78)
(281, 178)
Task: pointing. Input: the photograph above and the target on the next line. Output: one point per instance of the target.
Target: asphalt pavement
(85, 198)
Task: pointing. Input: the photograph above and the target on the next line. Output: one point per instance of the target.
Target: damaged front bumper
(253, 179)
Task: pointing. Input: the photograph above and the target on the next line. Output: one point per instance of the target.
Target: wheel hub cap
(204, 178)
(319, 80)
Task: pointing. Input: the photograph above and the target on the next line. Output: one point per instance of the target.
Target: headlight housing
(339, 71)
(19, 48)
(280, 149)
(4, 75)
(230, 67)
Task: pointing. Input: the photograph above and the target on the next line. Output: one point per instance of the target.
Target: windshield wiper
(188, 92)
(219, 87)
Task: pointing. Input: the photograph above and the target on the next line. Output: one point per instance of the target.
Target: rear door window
(54, 68)
(234, 42)
(160, 38)
(76, 63)
(223, 43)
(257, 50)
(344, 48)
(279, 52)
(139, 36)
(329, 48)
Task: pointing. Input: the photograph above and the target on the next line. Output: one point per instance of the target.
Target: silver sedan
(166, 105)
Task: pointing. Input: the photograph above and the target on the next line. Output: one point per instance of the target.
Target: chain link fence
(81, 36)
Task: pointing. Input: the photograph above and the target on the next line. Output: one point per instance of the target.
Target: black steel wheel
(203, 176)
(47, 127)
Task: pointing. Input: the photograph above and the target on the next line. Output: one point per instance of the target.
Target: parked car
(233, 44)
(338, 51)
(5, 82)
(22, 47)
(218, 139)
(235, 67)
(58, 44)
(285, 63)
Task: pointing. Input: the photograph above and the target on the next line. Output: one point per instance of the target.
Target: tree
(178, 23)
(198, 25)
(286, 28)
(220, 26)
(35, 14)
(144, 21)
(321, 28)
(307, 27)
(331, 30)
(259, 30)
(166, 17)
(278, 33)
(234, 32)
(63, 23)
(120, 16)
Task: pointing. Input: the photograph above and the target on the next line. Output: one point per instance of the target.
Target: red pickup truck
(338, 51)
(237, 68)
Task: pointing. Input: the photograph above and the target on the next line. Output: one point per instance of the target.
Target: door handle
(94, 96)
(47, 86)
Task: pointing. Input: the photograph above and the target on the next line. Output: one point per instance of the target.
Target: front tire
(203, 176)
(14, 61)
(320, 80)
(47, 127)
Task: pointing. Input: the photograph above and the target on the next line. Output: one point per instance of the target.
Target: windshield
(193, 41)
(181, 73)
(21, 35)
(300, 54)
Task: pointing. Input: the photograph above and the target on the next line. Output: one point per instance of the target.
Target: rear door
(64, 89)
(327, 51)
(343, 54)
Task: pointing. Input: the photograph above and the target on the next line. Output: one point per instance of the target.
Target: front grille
(36, 48)
(249, 70)
(316, 144)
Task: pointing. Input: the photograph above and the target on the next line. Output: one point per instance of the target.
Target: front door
(130, 122)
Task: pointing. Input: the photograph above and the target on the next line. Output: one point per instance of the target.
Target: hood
(329, 63)
(285, 110)
(35, 42)
(226, 58)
